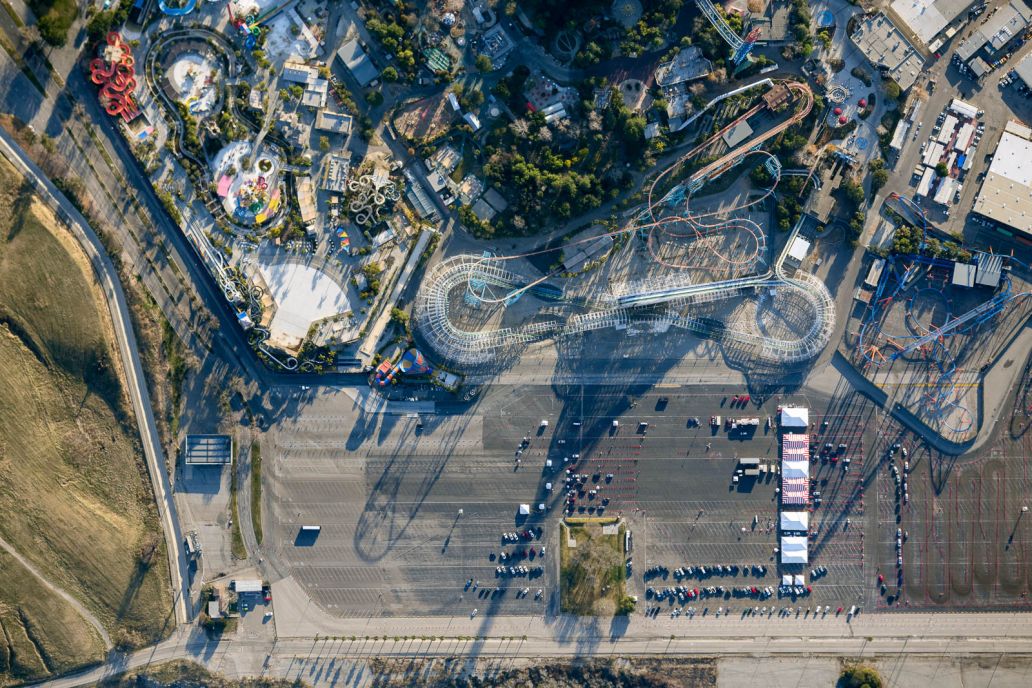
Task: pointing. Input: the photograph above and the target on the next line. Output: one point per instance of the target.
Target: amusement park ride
(930, 343)
(114, 71)
(741, 46)
(666, 298)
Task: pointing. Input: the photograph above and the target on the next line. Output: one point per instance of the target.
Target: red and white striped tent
(795, 468)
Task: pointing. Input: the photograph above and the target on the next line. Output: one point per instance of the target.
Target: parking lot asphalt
(388, 494)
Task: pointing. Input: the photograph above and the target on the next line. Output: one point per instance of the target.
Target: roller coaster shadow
(383, 522)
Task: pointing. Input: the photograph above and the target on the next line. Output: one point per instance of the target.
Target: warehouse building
(991, 40)
(1005, 198)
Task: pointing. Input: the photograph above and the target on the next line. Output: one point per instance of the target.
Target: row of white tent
(795, 476)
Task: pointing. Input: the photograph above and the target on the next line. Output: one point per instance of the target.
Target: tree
(51, 31)
(374, 98)
(399, 316)
(324, 143)
(892, 90)
(859, 676)
(878, 179)
(942, 170)
(879, 175)
(483, 63)
(854, 192)
(389, 74)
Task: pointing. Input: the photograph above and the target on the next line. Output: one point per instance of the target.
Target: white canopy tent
(795, 417)
(795, 521)
(524, 509)
(794, 549)
(795, 469)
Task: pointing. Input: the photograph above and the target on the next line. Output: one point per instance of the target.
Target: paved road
(83, 611)
(129, 352)
(866, 636)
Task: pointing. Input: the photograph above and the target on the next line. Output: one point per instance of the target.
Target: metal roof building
(888, 49)
(1007, 24)
(990, 269)
(926, 19)
(208, 450)
(1024, 70)
(357, 62)
(1006, 193)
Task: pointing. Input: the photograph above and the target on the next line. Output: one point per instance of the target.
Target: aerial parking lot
(425, 520)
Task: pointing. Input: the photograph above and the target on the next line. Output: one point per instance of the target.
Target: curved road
(128, 350)
(83, 611)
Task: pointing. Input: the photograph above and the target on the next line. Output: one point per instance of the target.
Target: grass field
(256, 491)
(237, 538)
(591, 569)
(73, 488)
(40, 633)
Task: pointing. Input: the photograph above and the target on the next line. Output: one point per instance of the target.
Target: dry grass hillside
(74, 491)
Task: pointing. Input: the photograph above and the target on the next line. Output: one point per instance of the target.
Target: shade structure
(795, 521)
(794, 550)
(795, 417)
(842, 120)
(838, 111)
(863, 102)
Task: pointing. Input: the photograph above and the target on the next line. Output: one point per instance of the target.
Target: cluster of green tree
(708, 39)
(789, 205)
(859, 676)
(97, 27)
(231, 128)
(651, 30)
(907, 241)
(396, 38)
(856, 201)
(191, 141)
(291, 229)
(372, 272)
(510, 88)
(550, 182)
(592, 52)
(801, 20)
(879, 175)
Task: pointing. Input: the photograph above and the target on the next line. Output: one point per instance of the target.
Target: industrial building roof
(990, 269)
(361, 67)
(337, 122)
(927, 18)
(886, 46)
(1009, 22)
(1024, 70)
(963, 275)
(1006, 193)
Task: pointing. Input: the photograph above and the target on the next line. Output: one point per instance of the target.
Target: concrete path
(83, 611)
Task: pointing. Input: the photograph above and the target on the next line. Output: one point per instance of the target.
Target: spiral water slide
(485, 280)
(117, 79)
